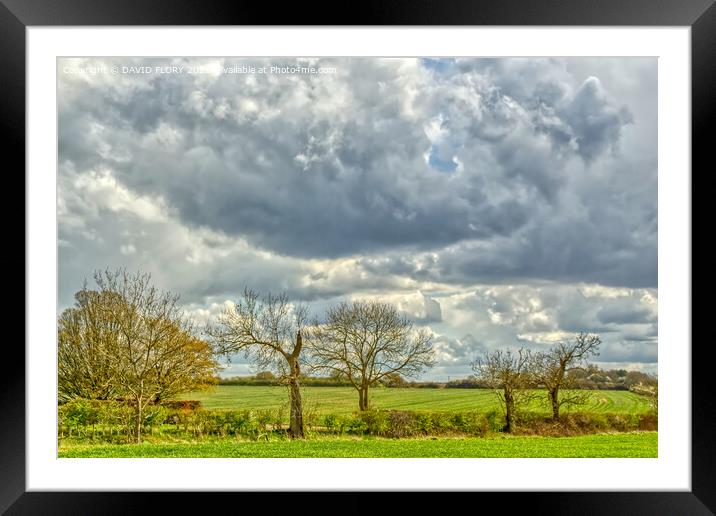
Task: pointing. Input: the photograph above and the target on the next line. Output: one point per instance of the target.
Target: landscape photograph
(357, 257)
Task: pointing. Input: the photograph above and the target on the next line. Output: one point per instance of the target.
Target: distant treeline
(590, 377)
(306, 381)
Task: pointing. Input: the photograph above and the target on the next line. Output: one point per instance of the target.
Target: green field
(174, 441)
(642, 444)
(340, 400)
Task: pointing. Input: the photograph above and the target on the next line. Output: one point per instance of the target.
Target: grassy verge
(636, 444)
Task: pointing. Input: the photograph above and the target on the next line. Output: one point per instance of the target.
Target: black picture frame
(16, 15)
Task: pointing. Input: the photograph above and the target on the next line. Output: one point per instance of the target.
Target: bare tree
(550, 370)
(509, 376)
(144, 345)
(268, 331)
(367, 341)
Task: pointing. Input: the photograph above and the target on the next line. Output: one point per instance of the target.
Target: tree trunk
(295, 429)
(554, 399)
(363, 398)
(138, 422)
(509, 411)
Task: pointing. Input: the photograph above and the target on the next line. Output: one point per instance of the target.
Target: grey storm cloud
(257, 156)
(595, 121)
(625, 314)
(406, 180)
(629, 351)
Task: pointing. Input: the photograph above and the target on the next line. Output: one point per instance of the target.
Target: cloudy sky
(499, 202)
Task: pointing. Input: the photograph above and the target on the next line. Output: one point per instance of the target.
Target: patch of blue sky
(441, 65)
(440, 164)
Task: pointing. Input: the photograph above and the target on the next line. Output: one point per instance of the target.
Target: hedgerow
(112, 420)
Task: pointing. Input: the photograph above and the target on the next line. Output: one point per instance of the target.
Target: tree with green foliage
(141, 344)
(87, 338)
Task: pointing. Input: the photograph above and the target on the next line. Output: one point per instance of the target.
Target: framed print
(424, 248)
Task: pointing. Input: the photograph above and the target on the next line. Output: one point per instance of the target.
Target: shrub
(401, 424)
(442, 423)
(377, 422)
(495, 421)
(279, 416)
(264, 419)
(329, 421)
(336, 424)
(77, 414)
(471, 423)
(153, 416)
(243, 423)
(310, 415)
(579, 423)
(648, 422)
(82, 416)
(356, 425)
(88, 418)
(424, 423)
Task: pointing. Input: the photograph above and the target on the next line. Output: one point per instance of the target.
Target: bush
(401, 424)
(580, 423)
(424, 423)
(310, 416)
(471, 423)
(77, 415)
(153, 416)
(649, 422)
(222, 423)
(442, 423)
(241, 423)
(263, 419)
(81, 417)
(336, 424)
(90, 418)
(376, 422)
(495, 421)
(356, 425)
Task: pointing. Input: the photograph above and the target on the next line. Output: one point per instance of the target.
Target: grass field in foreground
(641, 444)
(344, 400)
